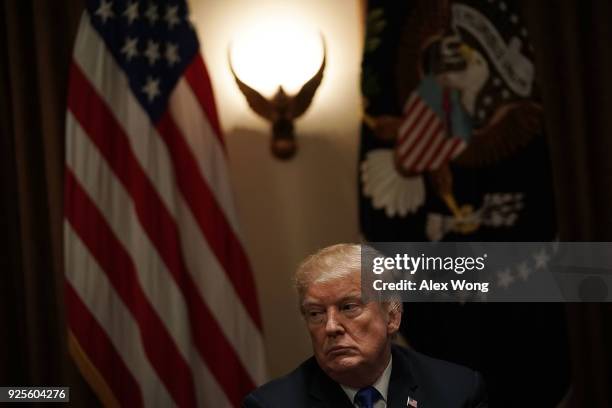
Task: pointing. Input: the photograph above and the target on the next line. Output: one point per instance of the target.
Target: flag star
(502, 6)
(541, 259)
(151, 88)
(131, 12)
(129, 48)
(523, 271)
(504, 278)
(514, 18)
(151, 14)
(172, 54)
(105, 10)
(152, 52)
(505, 94)
(171, 17)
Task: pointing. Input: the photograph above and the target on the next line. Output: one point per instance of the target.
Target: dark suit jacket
(432, 383)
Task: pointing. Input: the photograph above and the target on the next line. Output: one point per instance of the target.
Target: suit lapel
(325, 392)
(402, 383)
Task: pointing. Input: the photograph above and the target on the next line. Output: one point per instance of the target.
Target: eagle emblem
(468, 101)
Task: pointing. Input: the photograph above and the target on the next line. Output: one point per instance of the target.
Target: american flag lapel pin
(411, 402)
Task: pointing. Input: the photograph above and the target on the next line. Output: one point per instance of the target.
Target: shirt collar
(381, 384)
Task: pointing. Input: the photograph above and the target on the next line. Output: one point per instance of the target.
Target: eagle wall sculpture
(282, 109)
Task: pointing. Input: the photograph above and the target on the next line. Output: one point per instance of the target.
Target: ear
(395, 318)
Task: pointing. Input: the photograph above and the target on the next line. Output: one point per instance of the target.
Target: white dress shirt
(382, 385)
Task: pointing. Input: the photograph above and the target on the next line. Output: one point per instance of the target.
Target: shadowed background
(286, 211)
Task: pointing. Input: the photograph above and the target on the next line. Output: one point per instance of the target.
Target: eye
(351, 309)
(315, 316)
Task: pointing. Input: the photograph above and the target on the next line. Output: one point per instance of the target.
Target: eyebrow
(350, 296)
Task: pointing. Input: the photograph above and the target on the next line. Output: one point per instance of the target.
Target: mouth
(338, 350)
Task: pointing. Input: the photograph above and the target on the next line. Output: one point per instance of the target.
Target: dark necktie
(366, 397)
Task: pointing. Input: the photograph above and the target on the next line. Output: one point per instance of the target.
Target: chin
(343, 363)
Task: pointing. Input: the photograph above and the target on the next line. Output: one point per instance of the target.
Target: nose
(333, 327)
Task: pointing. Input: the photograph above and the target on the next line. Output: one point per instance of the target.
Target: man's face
(348, 337)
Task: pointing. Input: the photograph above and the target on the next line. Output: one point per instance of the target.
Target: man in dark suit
(354, 362)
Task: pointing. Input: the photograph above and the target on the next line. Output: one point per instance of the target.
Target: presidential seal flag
(161, 303)
(469, 107)
(453, 149)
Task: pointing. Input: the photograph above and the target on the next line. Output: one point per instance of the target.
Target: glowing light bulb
(279, 50)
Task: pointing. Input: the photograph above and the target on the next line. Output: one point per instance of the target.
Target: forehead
(330, 291)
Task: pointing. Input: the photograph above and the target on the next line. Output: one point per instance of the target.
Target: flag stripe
(409, 105)
(458, 147)
(220, 297)
(168, 303)
(95, 342)
(440, 158)
(435, 157)
(422, 144)
(196, 75)
(412, 122)
(207, 151)
(117, 208)
(209, 216)
(416, 104)
(418, 141)
(115, 205)
(431, 149)
(106, 306)
(152, 240)
(452, 145)
(426, 143)
(100, 241)
(415, 132)
(151, 152)
(108, 136)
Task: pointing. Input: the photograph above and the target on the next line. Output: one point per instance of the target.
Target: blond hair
(332, 263)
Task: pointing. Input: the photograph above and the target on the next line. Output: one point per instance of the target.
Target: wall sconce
(278, 57)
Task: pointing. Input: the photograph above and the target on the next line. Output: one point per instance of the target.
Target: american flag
(161, 303)
(423, 142)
